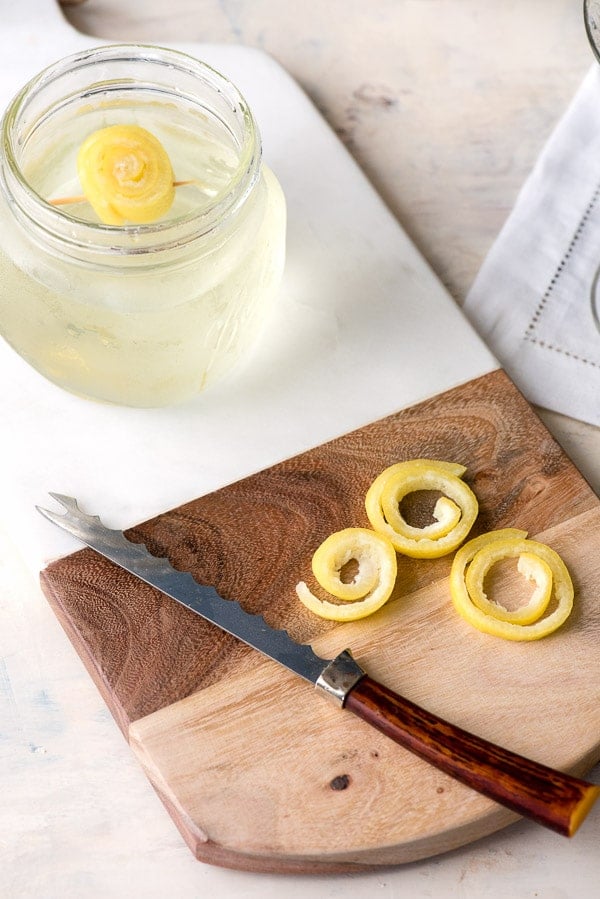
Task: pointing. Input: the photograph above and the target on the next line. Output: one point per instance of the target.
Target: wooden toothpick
(80, 198)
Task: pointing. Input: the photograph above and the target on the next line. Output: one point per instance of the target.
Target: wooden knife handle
(550, 797)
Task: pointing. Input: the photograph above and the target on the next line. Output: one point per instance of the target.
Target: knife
(550, 797)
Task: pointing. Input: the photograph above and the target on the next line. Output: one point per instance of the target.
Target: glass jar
(140, 315)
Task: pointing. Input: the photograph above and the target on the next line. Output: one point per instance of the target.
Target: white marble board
(362, 328)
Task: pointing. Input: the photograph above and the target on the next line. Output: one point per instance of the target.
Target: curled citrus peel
(126, 175)
(537, 562)
(372, 585)
(454, 513)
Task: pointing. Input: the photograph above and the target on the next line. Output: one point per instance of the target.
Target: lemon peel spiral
(126, 175)
(454, 513)
(371, 587)
(538, 562)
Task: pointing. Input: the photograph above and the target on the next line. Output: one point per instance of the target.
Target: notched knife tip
(69, 504)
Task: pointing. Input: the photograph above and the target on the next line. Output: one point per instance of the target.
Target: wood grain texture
(253, 540)
(308, 783)
(553, 798)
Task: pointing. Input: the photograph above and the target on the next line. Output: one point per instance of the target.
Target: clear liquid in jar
(140, 338)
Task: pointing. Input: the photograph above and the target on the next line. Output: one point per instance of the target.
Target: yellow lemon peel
(454, 513)
(126, 175)
(372, 585)
(537, 561)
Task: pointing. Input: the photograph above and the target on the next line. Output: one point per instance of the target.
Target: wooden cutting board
(259, 772)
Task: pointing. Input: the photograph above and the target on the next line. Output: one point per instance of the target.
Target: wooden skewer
(67, 201)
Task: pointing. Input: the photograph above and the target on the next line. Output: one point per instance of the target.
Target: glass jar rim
(156, 236)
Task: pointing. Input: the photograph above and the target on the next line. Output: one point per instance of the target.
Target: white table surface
(445, 104)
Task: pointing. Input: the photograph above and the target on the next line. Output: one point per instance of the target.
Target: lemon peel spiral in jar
(139, 314)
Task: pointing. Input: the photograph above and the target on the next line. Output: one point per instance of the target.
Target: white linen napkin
(532, 299)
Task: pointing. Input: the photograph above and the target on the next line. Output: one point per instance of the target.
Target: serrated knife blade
(553, 798)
